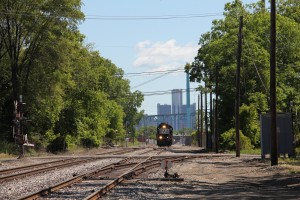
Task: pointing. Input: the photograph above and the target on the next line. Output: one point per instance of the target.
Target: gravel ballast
(21, 187)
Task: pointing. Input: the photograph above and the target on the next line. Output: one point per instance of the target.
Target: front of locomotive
(164, 135)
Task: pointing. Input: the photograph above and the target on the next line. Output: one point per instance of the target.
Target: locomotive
(164, 134)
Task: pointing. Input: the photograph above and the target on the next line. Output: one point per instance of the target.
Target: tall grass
(7, 149)
(251, 151)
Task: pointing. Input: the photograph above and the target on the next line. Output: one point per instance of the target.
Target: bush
(228, 141)
(249, 124)
(36, 139)
(59, 144)
(8, 148)
(194, 138)
(89, 142)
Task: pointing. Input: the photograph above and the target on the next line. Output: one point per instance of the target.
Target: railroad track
(97, 183)
(117, 152)
(26, 167)
(20, 172)
(139, 168)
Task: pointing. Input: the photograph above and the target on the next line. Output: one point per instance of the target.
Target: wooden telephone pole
(274, 142)
(216, 116)
(199, 135)
(237, 97)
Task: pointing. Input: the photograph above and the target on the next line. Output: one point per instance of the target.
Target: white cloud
(164, 55)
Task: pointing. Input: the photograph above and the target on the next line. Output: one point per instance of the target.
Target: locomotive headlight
(160, 137)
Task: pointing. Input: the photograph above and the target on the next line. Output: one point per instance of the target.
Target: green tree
(228, 141)
(218, 54)
(74, 96)
(25, 41)
(147, 131)
(23, 35)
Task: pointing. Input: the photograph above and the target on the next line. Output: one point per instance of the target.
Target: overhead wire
(161, 17)
(167, 92)
(260, 78)
(144, 83)
(99, 17)
(151, 72)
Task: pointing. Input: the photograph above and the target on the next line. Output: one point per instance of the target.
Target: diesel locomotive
(164, 134)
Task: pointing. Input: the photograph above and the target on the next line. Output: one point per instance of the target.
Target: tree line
(73, 96)
(216, 60)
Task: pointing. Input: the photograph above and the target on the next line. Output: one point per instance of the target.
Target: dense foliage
(73, 95)
(218, 54)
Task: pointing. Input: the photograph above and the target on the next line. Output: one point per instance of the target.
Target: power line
(259, 76)
(161, 17)
(148, 47)
(118, 18)
(153, 79)
(151, 73)
(166, 92)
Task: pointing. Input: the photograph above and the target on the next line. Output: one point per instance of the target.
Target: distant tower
(176, 107)
(176, 101)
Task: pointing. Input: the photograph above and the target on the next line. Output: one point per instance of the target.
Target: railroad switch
(167, 175)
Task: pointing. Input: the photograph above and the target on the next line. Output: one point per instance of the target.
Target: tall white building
(177, 108)
(176, 101)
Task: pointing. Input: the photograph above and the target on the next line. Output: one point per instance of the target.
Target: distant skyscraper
(163, 109)
(176, 101)
(177, 108)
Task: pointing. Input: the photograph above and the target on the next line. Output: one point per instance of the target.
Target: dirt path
(237, 178)
(219, 176)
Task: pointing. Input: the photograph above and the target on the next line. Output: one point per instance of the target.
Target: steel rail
(80, 178)
(6, 171)
(76, 179)
(115, 182)
(23, 174)
(117, 152)
(137, 169)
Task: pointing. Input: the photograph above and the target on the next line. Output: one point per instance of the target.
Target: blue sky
(150, 36)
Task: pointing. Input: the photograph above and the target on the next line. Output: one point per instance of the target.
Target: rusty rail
(27, 173)
(10, 170)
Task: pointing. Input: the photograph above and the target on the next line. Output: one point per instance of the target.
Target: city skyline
(174, 114)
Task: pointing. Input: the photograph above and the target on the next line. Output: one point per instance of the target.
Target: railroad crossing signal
(18, 127)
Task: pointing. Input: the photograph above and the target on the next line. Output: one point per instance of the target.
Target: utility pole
(211, 116)
(188, 110)
(237, 97)
(205, 119)
(216, 112)
(274, 142)
(198, 126)
(201, 115)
